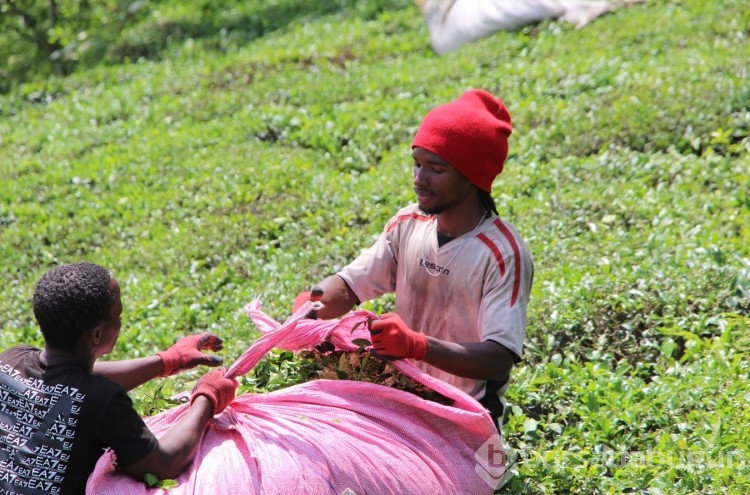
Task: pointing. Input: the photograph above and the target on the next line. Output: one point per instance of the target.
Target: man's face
(439, 186)
(111, 327)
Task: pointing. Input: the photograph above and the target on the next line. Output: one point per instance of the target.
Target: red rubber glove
(301, 299)
(217, 388)
(186, 353)
(314, 295)
(391, 337)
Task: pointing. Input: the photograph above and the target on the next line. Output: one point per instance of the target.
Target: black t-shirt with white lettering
(56, 422)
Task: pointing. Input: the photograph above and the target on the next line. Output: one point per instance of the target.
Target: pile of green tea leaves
(280, 369)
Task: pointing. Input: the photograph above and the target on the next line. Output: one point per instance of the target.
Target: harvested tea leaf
(360, 365)
(280, 369)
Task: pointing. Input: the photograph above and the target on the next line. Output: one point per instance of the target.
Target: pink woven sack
(329, 436)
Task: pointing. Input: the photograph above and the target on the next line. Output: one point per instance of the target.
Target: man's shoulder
(21, 353)
(502, 239)
(408, 214)
(499, 227)
(409, 209)
(19, 349)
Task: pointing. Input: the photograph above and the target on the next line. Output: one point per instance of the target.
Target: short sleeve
(373, 272)
(125, 432)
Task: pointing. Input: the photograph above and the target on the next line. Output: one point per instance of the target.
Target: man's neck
(52, 355)
(455, 223)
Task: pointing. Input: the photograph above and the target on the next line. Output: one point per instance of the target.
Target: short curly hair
(72, 299)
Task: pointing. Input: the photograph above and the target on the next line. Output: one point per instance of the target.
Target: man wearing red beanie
(461, 275)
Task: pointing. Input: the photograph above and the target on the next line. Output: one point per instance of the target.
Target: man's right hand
(313, 295)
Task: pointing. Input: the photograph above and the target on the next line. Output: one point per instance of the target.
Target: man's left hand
(186, 353)
(392, 337)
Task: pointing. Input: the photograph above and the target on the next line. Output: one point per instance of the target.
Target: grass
(241, 163)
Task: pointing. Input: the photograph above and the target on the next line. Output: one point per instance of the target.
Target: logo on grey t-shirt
(37, 427)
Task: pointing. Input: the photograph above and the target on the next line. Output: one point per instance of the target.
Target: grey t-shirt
(472, 289)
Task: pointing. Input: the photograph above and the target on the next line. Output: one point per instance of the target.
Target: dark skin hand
(338, 299)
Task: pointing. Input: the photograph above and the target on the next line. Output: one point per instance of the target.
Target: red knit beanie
(471, 133)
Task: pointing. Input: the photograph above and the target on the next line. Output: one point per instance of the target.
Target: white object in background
(454, 23)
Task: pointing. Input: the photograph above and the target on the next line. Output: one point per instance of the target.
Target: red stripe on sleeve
(495, 251)
(499, 257)
(403, 218)
(517, 262)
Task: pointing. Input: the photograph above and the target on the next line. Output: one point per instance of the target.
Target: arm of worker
(183, 355)
(338, 299)
(478, 360)
(177, 448)
(130, 373)
(487, 360)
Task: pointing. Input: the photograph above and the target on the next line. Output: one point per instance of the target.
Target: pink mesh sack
(329, 436)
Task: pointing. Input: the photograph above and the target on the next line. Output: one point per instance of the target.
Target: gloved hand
(391, 337)
(314, 295)
(301, 299)
(186, 353)
(217, 388)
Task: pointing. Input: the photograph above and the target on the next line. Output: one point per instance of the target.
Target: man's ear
(96, 333)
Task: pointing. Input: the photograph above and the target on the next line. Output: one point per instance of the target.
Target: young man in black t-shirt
(59, 410)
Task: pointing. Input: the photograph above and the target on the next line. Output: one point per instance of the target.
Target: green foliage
(277, 370)
(280, 369)
(259, 146)
(43, 38)
(599, 426)
(61, 37)
(153, 398)
(222, 26)
(154, 482)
